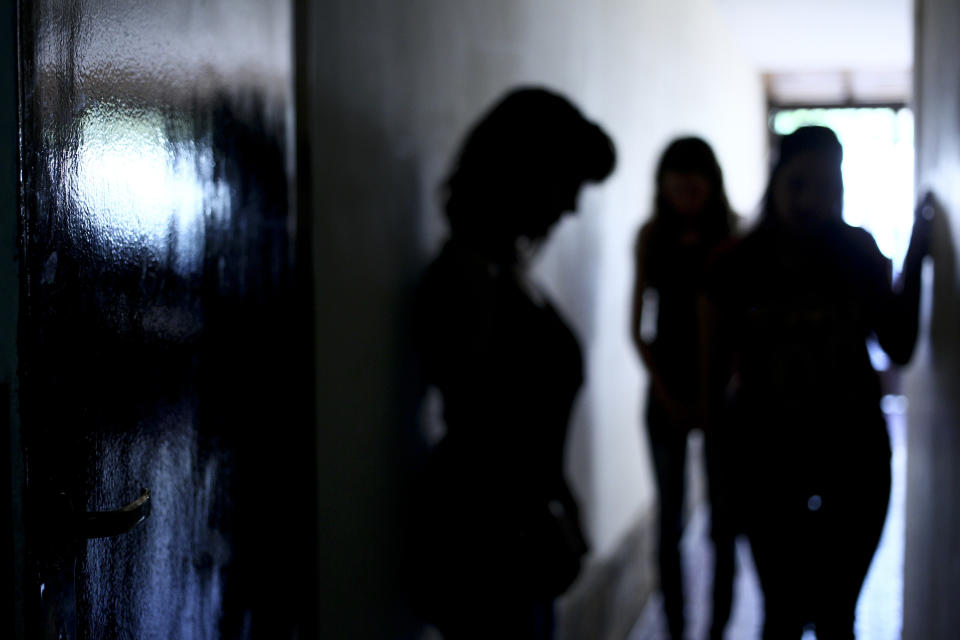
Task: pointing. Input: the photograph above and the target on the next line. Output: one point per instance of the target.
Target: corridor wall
(388, 91)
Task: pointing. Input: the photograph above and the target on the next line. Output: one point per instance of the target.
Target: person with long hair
(500, 535)
(691, 219)
(790, 309)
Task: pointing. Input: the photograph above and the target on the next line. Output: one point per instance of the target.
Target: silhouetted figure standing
(501, 535)
(692, 218)
(793, 306)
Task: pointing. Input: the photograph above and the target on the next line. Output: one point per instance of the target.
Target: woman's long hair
(692, 155)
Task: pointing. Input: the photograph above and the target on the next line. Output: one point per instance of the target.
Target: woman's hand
(923, 217)
(896, 318)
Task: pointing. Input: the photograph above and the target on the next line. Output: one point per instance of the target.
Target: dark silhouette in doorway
(791, 307)
(691, 219)
(499, 533)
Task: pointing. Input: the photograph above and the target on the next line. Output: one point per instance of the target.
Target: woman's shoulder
(733, 262)
(457, 283)
(456, 267)
(644, 236)
(859, 239)
(732, 250)
(864, 255)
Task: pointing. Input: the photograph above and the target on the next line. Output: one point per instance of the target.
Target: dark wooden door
(163, 344)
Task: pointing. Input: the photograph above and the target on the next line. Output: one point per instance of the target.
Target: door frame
(11, 454)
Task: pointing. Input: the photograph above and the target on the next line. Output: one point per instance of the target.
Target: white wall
(393, 86)
(932, 554)
(659, 70)
(823, 35)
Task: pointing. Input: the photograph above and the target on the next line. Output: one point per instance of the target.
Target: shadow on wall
(367, 257)
(933, 513)
(944, 316)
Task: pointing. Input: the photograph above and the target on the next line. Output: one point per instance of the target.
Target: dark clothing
(501, 525)
(804, 413)
(668, 446)
(676, 270)
(795, 318)
(812, 563)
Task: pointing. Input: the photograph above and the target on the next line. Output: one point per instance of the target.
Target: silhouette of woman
(792, 306)
(691, 219)
(501, 534)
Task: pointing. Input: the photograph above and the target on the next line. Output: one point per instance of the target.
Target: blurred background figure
(292, 151)
(793, 305)
(691, 219)
(500, 533)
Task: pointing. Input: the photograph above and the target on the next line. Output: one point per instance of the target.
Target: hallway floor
(879, 612)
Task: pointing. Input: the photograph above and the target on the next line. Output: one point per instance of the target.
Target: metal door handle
(103, 524)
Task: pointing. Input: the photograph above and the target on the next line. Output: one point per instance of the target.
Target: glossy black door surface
(162, 344)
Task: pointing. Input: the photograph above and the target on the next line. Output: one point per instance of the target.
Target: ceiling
(827, 51)
(823, 35)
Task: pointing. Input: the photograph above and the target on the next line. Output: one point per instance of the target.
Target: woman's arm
(896, 320)
(640, 285)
